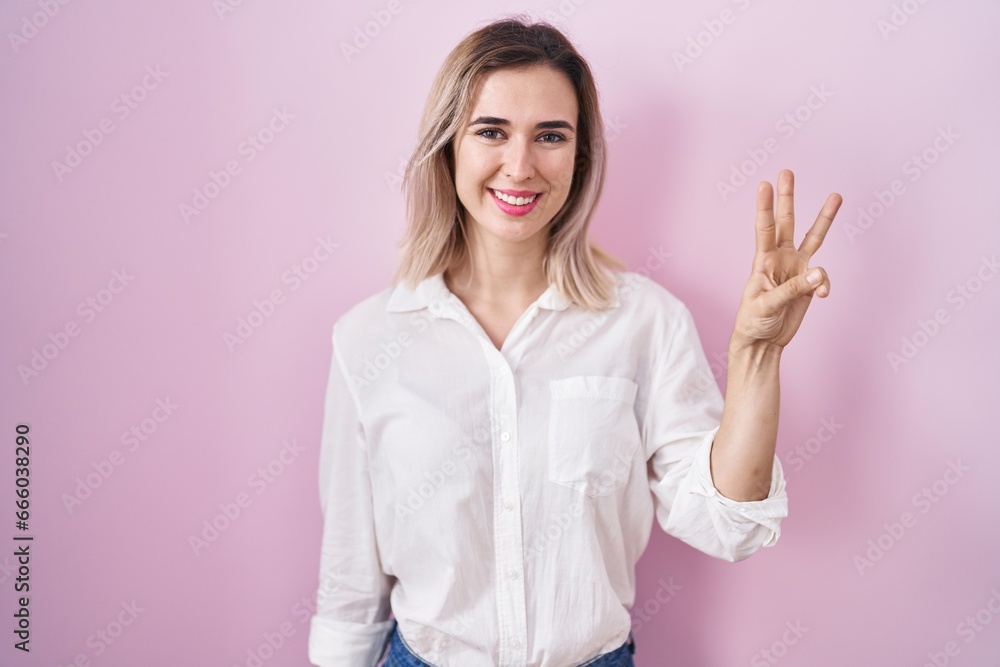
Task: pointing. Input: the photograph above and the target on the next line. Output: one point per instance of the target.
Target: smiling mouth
(514, 201)
(526, 206)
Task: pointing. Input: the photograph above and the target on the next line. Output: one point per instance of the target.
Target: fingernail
(813, 277)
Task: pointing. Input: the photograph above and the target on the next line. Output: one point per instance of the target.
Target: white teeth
(516, 201)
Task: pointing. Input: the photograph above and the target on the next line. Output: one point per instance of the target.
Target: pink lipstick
(513, 209)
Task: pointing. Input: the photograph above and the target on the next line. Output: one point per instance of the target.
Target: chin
(517, 231)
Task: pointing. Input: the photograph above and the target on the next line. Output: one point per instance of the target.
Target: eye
(557, 138)
(487, 129)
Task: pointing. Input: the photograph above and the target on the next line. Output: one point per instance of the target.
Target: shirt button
(514, 643)
(504, 370)
(512, 573)
(508, 505)
(505, 436)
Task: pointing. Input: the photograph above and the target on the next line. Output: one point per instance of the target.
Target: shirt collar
(433, 293)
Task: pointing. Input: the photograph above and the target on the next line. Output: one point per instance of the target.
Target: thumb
(803, 284)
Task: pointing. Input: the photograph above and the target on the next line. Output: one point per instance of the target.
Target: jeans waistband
(399, 654)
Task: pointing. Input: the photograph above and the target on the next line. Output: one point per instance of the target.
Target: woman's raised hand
(781, 284)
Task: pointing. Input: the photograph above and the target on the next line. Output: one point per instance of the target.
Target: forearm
(743, 451)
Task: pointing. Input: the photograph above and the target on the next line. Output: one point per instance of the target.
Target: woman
(495, 421)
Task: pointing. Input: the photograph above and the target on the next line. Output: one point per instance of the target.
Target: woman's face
(519, 138)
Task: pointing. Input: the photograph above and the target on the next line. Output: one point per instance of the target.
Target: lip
(511, 209)
(516, 193)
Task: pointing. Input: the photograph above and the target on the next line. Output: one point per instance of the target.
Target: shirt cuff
(767, 512)
(340, 644)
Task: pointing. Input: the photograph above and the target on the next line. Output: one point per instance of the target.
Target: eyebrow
(544, 125)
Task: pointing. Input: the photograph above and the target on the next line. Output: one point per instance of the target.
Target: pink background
(330, 173)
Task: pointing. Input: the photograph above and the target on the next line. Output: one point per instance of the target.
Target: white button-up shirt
(497, 500)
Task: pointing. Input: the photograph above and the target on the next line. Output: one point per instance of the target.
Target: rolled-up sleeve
(351, 624)
(682, 418)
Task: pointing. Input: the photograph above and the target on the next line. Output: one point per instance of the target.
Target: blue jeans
(400, 655)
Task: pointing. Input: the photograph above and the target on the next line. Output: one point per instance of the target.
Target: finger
(765, 218)
(792, 289)
(816, 234)
(823, 289)
(786, 215)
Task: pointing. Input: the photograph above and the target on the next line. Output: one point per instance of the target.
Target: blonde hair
(435, 238)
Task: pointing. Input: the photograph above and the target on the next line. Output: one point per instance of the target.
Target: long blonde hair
(435, 238)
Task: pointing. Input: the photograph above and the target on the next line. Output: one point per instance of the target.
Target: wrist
(754, 348)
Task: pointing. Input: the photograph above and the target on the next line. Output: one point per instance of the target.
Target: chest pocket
(593, 433)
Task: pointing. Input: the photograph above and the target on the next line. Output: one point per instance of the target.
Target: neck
(503, 272)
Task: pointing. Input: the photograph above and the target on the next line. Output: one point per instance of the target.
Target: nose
(519, 160)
